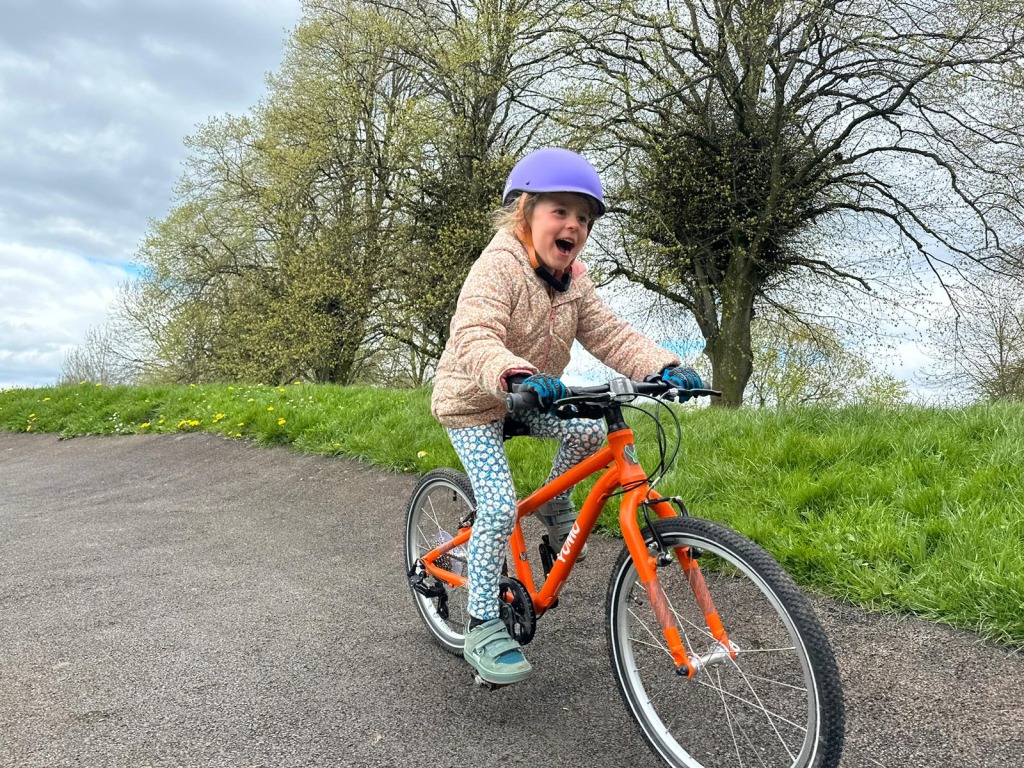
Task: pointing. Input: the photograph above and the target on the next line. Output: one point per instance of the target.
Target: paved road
(188, 601)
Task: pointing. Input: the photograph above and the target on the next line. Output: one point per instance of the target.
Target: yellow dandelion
(238, 434)
(421, 455)
(281, 389)
(31, 415)
(241, 424)
(297, 383)
(28, 428)
(270, 408)
(46, 399)
(98, 384)
(250, 400)
(280, 422)
(192, 385)
(144, 424)
(231, 389)
(193, 423)
(181, 423)
(218, 417)
(160, 422)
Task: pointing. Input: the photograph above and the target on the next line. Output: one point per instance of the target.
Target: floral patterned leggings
(482, 452)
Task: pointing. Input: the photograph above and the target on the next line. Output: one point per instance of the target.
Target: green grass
(914, 510)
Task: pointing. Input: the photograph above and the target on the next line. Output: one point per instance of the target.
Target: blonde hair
(515, 216)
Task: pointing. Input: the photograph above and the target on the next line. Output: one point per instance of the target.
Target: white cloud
(48, 300)
(96, 97)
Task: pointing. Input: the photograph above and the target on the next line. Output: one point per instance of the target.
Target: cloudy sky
(96, 97)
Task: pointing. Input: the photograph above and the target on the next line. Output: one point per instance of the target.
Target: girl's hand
(548, 388)
(682, 378)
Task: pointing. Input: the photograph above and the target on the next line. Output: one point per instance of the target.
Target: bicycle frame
(618, 459)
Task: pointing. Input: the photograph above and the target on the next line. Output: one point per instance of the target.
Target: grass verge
(914, 510)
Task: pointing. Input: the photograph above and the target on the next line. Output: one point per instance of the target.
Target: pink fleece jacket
(508, 319)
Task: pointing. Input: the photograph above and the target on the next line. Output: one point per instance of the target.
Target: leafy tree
(798, 363)
(342, 137)
(754, 138)
(270, 266)
(488, 72)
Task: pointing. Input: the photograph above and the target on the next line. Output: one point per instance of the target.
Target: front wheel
(777, 703)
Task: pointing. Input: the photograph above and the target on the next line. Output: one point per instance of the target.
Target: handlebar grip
(521, 401)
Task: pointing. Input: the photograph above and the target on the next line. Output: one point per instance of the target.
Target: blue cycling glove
(679, 377)
(548, 388)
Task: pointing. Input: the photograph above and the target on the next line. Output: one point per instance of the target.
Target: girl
(524, 302)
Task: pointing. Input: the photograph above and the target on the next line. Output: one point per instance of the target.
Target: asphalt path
(191, 601)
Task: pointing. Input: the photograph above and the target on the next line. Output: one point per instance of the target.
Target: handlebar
(617, 390)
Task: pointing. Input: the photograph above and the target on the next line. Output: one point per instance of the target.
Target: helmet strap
(525, 235)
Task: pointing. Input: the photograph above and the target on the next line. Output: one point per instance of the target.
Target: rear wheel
(440, 505)
(777, 703)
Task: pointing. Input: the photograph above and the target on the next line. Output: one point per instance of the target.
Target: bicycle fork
(647, 568)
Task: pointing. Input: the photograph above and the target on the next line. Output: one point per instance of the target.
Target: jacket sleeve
(482, 316)
(615, 342)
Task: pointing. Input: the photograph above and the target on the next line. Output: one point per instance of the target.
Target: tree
(489, 73)
(798, 363)
(980, 348)
(753, 136)
(270, 266)
(100, 358)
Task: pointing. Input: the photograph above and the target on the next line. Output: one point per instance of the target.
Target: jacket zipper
(551, 332)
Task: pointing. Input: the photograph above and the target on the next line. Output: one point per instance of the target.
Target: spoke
(746, 737)
(433, 513)
(773, 681)
(639, 641)
(772, 716)
(657, 640)
(763, 708)
(424, 538)
(728, 720)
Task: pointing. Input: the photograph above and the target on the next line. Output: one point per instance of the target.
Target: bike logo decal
(630, 453)
(563, 553)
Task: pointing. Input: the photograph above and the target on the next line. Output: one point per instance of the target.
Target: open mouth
(564, 246)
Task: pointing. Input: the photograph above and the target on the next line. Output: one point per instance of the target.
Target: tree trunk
(730, 349)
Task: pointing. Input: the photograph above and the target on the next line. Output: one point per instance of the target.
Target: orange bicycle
(716, 652)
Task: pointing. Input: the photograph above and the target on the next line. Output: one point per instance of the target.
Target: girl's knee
(596, 430)
(497, 517)
(588, 434)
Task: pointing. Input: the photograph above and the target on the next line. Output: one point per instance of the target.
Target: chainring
(517, 612)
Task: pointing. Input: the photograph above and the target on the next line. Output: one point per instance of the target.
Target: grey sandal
(495, 656)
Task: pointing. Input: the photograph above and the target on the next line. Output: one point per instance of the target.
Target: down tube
(570, 551)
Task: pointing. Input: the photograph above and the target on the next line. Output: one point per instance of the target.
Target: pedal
(481, 683)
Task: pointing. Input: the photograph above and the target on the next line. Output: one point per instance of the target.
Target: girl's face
(560, 224)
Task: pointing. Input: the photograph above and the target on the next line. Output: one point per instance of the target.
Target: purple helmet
(553, 169)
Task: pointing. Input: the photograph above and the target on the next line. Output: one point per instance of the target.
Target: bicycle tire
(441, 500)
(778, 703)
